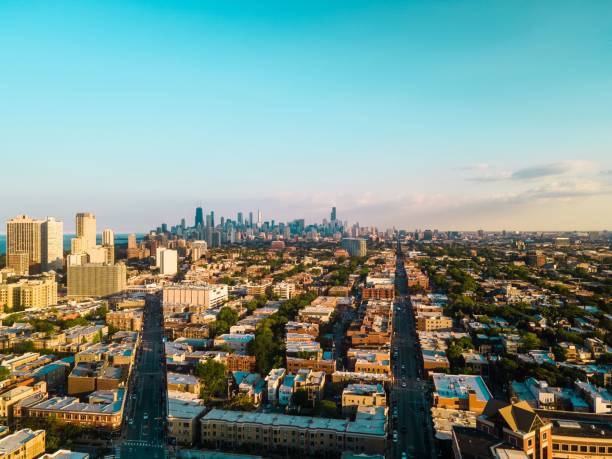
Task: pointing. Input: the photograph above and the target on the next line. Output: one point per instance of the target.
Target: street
(410, 397)
(143, 434)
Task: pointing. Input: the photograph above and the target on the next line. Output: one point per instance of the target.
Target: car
(403, 384)
(404, 455)
(145, 416)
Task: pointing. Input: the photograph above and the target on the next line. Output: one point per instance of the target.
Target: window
(555, 446)
(564, 447)
(574, 447)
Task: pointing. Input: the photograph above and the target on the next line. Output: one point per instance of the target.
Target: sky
(415, 114)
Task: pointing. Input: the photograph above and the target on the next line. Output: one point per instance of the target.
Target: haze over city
(442, 115)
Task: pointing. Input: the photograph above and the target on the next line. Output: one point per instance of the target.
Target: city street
(410, 397)
(144, 420)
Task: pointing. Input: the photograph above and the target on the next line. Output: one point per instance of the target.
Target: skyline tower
(333, 214)
(199, 217)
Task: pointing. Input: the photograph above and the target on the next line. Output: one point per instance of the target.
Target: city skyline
(492, 116)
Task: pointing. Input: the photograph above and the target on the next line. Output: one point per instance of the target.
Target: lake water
(120, 239)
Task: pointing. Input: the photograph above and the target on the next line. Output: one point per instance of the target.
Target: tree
(4, 373)
(326, 409)
(212, 374)
(530, 341)
(240, 402)
(300, 398)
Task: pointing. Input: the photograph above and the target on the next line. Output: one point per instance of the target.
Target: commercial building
(193, 297)
(356, 247)
(460, 392)
(23, 444)
(91, 280)
(296, 435)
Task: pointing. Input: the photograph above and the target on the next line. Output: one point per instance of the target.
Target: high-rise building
(356, 247)
(132, 247)
(86, 228)
(91, 279)
(199, 217)
(108, 237)
(259, 218)
(239, 218)
(251, 219)
(333, 214)
(23, 236)
(52, 244)
(212, 218)
(168, 264)
(77, 245)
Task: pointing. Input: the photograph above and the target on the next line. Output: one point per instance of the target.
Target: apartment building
(433, 321)
(96, 279)
(130, 320)
(184, 413)
(34, 292)
(178, 382)
(355, 395)
(103, 410)
(295, 435)
(23, 444)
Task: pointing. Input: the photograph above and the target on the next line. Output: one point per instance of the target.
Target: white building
(168, 265)
(52, 244)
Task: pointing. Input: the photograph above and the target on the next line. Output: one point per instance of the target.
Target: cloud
(553, 169)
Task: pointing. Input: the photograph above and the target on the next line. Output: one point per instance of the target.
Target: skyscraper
(259, 218)
(23, 241)
(239, 218)
(86, 228)
(251, 219)
(52, 244)
(333, 214)
(212, 218)
(199, 217)
(108, 237)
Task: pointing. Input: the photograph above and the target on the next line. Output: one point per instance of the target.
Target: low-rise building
(23, 444)
(184, 413)
(295, 435)
(355, 395)
(460, 392)
(178, 382)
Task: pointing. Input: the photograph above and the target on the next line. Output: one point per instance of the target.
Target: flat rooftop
(458, 386)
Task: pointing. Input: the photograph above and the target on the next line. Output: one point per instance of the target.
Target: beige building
(356, 395)
(38, 292)
(193, 297)
(299, 436)
(86, 229)
(130, 320)
(23, 444)
(184, 413)
(14, 395)
(91, 279)
(23, 235)
(433, 321)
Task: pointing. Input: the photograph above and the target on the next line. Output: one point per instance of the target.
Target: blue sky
(445, 114)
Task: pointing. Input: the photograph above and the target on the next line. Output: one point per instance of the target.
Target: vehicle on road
(145, 416)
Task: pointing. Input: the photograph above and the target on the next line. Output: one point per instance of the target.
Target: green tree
(212, 374)
(530, 341)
